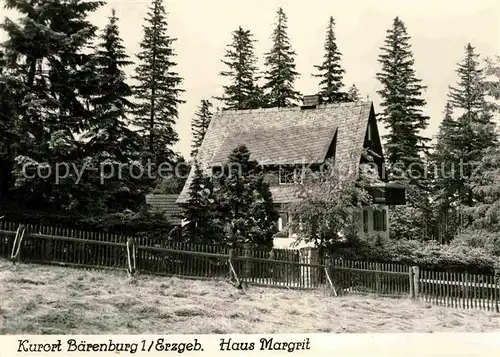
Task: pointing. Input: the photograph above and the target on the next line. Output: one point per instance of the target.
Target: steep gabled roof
(280, 136)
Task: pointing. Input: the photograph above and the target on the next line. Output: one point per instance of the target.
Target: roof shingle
(279, 136)
(166, 204)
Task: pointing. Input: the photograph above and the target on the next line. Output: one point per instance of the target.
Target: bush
(427, 255)
(479, 238)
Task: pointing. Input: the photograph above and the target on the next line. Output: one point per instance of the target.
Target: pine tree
(330, 71)
(199, 125)
(243, 91)
(244, 200)
(110, 138)
(353, 94)
(203, 221)
(281, 74)
(401, 100)
(158, 92)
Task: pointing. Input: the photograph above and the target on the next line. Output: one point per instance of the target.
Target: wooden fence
(294, 269)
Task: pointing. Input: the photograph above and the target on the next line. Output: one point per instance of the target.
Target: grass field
(38, 299)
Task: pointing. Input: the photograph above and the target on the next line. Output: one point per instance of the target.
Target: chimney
(311, 101)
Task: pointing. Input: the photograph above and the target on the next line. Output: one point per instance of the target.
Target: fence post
(411, 274)
(496, 287)
(378, 283)
(416, 280)
(309, 275)
(247, 264)
(232, 271)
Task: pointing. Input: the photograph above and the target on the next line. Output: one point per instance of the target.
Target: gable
(373, 144)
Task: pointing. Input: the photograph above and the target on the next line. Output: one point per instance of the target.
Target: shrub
(427, 255)
(479, 238)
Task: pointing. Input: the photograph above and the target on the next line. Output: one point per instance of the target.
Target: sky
(439, 31)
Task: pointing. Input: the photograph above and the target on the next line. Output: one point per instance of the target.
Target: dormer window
(290, 175)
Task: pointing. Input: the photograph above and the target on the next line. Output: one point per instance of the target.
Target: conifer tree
(243, 91)
(203, 221)
(475, 130)
(280, 74)
(353, 94)
(46, 52)
(330, 71)
(9, 85)
(493, 84)
(110, 138)
(244, 200)
(199, 125)
(110, 126)
(486, 185)
(158, 90)
(402, 100)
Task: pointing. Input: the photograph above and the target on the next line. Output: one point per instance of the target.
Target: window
(282, 221)
(290, 175)
(379, 220)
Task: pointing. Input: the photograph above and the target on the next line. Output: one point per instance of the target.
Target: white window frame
(297, 175)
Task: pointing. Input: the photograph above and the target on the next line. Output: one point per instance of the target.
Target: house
(282, 140)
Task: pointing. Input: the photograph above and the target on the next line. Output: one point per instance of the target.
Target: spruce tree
(493, 84)
(330, 71)
(475, 130)
(402, 100)
(280, 74)
(110, 138)
(158, 90)
(243, 91)
(353, 94)
(244, 200)
(47, 51)
(203, 221)
(9, 86)
(444, 158)
(110, 126)
(199, 125)
(486, 187)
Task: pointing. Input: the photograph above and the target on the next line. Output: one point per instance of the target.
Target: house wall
(370, 229)
(286, 242)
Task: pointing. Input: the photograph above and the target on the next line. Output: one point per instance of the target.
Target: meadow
(40, 299)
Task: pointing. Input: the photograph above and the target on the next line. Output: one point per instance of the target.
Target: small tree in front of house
(244, 201)
(204, 224)
(330, 201)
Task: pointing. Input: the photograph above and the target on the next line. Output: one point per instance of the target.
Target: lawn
(37, 299)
